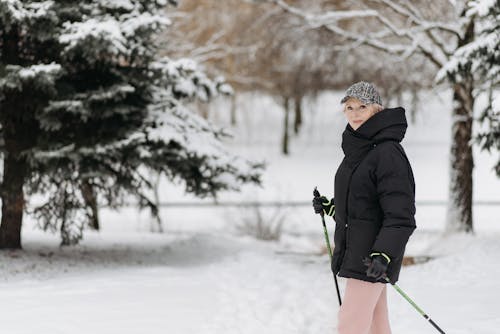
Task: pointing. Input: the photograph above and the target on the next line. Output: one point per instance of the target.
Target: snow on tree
(88, 109)
(482, 58)
(434, 30)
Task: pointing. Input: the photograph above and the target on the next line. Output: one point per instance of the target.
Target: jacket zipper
(347, 218)
(347, 205)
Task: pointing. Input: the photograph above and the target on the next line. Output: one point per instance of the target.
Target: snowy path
(118, 302)
(209, 283)
(262, 293)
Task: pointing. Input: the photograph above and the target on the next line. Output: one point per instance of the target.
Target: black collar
(388, 124)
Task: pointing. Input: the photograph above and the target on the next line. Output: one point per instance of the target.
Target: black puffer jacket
(374, 196)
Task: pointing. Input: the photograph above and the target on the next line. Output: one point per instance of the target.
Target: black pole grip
(316, 192)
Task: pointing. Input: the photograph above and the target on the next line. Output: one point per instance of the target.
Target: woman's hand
(377, 265)
(323, 204)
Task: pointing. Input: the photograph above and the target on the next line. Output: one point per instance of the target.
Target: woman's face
(357, 112)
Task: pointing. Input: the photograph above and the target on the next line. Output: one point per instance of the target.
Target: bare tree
(433, 30)
(268, 48)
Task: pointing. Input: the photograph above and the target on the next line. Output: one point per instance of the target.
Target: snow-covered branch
(416, 35)
(482, 55)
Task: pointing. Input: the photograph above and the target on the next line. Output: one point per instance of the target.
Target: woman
(374, 209)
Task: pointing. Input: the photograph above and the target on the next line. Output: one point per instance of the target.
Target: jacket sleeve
(395, 186)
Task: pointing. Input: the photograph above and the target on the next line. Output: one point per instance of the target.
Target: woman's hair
(376, 106)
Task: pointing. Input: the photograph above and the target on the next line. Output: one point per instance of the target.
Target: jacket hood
(387, 124)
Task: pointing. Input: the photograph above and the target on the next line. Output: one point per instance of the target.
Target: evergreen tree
(87, 109)
(482, 58)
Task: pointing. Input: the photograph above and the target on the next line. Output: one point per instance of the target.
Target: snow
(14, 8)
(112, 92)
(17, 11)
(43, 75)
(133, 23)
(108, 30)
(118, 4)
(226, 89)
(117, 34)
(496, 104)
(186, 282)
(185, 86)
(487, 42)
(186, 79)
(325, 18)
(481, 7)
(55, 107)
(34, 71)
(196, 136)
(203, 276)
(483, 51)
(41, 8)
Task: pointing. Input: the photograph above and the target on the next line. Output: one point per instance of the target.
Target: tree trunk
(12, 194)
(90, 199)
(203, 107)
(399, 97)
(157, 225)
(286, 136)
(298, 114)
(415, 100)
(459, 210)
(233, 109)
(15, 167)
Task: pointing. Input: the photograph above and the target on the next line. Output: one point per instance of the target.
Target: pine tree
(87, 107)
(482, 58)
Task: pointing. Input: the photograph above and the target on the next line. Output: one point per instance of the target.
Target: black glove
(377, 265)
(323, 204)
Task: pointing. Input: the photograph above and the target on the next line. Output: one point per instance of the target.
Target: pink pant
(364, 309)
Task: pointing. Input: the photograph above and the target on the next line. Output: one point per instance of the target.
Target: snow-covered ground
(136, 282)
(202, 276)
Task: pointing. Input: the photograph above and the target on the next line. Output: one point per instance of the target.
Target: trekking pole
(408, 299)
(316, 194)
